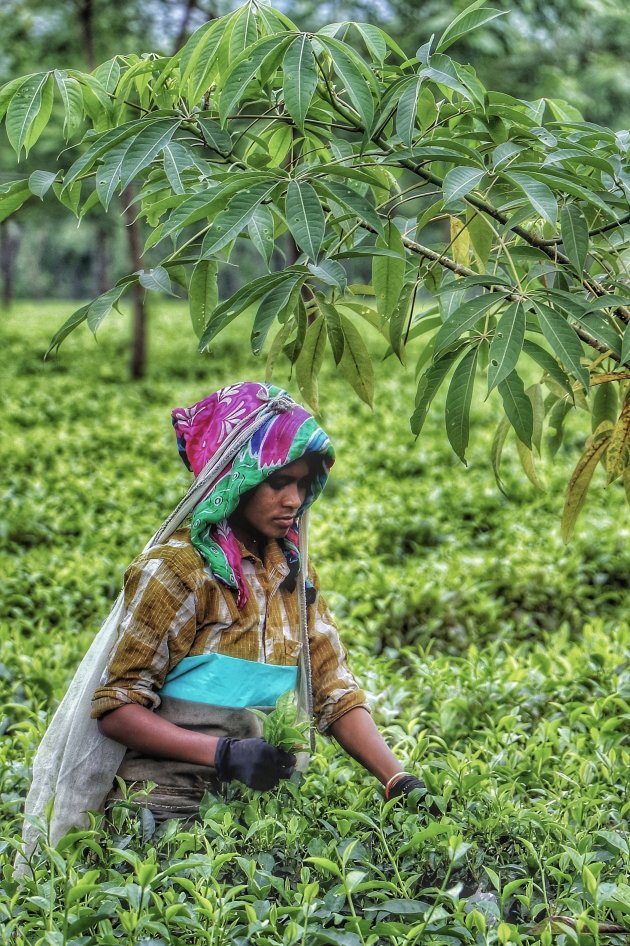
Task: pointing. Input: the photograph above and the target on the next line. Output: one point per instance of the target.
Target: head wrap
(286, 436)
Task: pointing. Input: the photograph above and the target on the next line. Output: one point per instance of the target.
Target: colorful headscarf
(285, 437)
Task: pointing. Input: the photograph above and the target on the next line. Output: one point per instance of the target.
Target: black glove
(409, 783)
(252, 761)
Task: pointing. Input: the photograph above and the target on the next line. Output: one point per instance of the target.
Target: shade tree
(482, 235)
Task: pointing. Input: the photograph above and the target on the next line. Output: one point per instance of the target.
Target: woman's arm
(139, 728)
(356, 732)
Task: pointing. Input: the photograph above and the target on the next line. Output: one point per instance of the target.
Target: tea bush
(496, 658)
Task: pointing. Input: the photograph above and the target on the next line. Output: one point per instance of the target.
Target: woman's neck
(253, 541)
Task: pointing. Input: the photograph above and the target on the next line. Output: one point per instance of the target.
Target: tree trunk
(101, 268)
(85, 15)
(182, 35)
(139, 331)
(6, 263)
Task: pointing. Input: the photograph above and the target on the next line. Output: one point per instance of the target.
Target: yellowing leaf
(619, 446)
(460, 241)
(581, 479)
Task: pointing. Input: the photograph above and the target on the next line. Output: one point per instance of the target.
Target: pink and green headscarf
(285, 437)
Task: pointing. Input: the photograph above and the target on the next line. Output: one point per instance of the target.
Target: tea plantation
(497, 661)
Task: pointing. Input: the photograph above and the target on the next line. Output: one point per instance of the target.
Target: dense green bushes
(502, 675)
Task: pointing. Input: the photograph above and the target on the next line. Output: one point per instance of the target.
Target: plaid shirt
(175, 608)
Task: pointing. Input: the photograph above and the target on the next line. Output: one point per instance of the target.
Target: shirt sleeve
(155, 633)
(335, 690)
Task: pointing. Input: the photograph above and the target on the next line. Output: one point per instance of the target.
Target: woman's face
(270, 508)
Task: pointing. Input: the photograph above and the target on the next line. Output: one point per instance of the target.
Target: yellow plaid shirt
(175, 608)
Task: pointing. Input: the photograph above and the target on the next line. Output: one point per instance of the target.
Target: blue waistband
(228, 681)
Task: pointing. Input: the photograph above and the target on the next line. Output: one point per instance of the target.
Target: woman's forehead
(296, 470)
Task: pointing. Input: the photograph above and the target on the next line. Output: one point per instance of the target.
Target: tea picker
(216, 617)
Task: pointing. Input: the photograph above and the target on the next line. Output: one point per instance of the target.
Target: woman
(215, 618)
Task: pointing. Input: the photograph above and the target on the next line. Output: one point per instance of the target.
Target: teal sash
(228, 681)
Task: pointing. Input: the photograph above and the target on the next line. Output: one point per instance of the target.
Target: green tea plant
(421, 205)
(496, 659)
(281, 726)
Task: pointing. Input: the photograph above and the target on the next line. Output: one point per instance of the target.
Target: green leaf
(12, 196)
(625, 346)
(428, 387)
(406, 112)
(226, 311)
(443, 71)
(388, 272)
(355, 76)
(333, 327)
(177, 158)
(244, 31)
(109, 172)
(459, 182)
(156, 280)
(31, 100)
(236, 216)
(355, 364)
(40, 182)
(507, 344)
(72, 98)
(101, 307)
(482, 239)
(557, 417)
(108, 74)
(496, 451)
(535, 393)
(245, 68)
(203, 294)
(351, 199)
(605, 405)
(470, 19)
(331, 273)
(596, 323)
(458, 401)
(279, 340)
(549, 364)
(214, 136)
(277, 304)
(77, 317)
(538, 194)
(8, 90)
(305, 217)
(400, 320)
(145, 147)
(574, 230)
(101, 146)
(261, 231)
(324, 864)
(563, 341)
(309, 362)
(518, 407)
(464, 318)
(300, 78)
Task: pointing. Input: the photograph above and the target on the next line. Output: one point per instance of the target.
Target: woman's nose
(293, 496)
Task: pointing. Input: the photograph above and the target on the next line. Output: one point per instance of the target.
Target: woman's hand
(253, 762)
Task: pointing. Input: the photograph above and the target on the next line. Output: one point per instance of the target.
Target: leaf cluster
(474, 231)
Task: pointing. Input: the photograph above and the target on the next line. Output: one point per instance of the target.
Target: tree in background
(79, 34)
(510, 216)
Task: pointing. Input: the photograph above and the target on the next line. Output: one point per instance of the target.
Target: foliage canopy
(423, 206)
